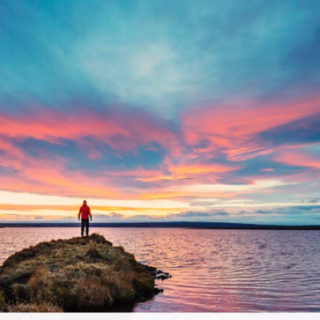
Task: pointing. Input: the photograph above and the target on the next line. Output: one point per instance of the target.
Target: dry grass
(79, 274)
(44, 307)
(2, 303)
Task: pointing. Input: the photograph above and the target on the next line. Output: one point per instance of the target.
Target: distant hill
(178, 224)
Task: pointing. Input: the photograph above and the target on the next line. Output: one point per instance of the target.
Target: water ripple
(213, 270)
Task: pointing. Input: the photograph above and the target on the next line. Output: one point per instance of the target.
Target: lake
(212, 270)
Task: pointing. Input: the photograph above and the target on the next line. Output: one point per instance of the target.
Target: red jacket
(85, 212)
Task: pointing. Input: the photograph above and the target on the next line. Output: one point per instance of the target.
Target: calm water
(213, 270)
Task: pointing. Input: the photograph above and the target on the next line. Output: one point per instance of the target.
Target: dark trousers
(84, 224)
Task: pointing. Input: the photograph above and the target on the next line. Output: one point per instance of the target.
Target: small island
(75, 275)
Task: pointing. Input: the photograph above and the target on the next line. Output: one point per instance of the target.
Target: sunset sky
(160, 110)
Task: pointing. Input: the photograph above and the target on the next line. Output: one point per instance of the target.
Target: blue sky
(164, 103)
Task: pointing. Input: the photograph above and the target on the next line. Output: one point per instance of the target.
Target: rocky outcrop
(79, 274)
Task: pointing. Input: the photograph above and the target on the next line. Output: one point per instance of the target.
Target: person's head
(84, 202)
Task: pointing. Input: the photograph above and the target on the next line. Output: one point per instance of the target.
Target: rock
(162, 277)
(150, 269)
(158, 290)
(78, 274)
(157, 274)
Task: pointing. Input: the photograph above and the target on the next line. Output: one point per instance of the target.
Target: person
(85, 213)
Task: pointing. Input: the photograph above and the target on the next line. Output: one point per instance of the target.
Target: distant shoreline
(182, 224)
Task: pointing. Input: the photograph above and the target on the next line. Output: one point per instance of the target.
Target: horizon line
(178, 224)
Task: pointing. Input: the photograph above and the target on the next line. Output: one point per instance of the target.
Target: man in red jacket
(84, 212)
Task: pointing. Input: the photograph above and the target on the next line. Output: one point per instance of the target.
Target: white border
(159, 316)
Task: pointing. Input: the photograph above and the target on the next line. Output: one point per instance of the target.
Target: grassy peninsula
(79, 274)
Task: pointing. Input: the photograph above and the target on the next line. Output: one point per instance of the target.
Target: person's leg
(82, 227)
(87, 227)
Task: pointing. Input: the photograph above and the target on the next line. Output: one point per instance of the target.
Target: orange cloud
(194, 169)
(75, 209)
(228, 130)
(162, 177)
(50, 175)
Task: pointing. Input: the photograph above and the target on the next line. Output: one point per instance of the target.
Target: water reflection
(213, 270)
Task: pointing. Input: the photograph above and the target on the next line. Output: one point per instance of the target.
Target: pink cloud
(121, 129)
(231, 127)
(298, 158)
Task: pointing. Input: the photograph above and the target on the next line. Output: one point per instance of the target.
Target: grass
(78, 274)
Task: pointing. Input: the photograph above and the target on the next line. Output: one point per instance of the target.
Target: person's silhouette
(85, 213)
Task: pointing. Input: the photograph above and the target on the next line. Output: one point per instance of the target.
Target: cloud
(201, 215)
(124, 129)
(316, 200)
(307, 208)
(113, 216)
(230, 129)
(302, 131)
(160, 102)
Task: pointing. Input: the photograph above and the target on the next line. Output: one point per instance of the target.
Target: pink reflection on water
(212, 270)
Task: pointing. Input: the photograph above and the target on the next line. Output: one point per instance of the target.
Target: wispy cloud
(160, 111)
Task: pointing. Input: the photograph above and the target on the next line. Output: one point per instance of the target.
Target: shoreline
(184, 225)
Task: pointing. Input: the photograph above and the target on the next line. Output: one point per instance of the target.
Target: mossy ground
(78, 274)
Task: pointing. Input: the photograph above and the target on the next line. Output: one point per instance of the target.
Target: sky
(152, 110)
